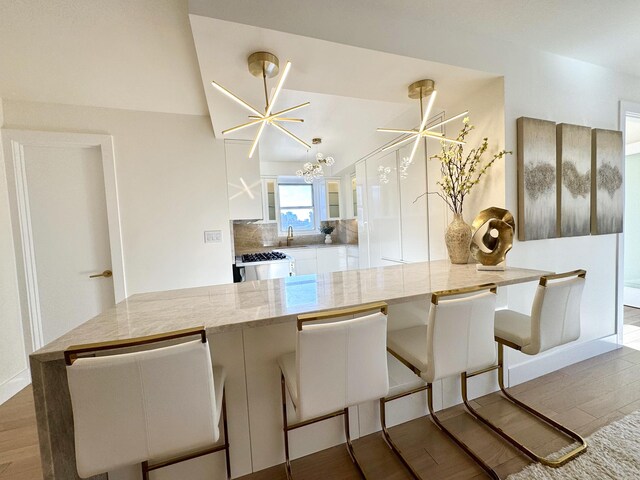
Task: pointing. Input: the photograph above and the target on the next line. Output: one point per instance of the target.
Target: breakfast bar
(249, 325)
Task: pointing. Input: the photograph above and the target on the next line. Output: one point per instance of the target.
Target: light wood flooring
(585, 396)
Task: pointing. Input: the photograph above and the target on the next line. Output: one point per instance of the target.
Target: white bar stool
(457, 338)
(554, 321)
(155, 407)
(336, 365)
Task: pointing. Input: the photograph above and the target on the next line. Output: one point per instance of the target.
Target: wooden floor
(584, 396)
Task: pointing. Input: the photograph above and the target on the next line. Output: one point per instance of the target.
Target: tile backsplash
(247, 235)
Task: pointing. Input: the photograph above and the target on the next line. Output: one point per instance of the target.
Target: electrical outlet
(213, 236)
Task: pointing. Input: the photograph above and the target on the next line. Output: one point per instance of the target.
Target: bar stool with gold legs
(457, 338)
(339, 362)
(554, 321)
(155, 407)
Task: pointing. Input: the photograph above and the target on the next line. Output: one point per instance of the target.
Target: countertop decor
(459, 175)
(492, 236)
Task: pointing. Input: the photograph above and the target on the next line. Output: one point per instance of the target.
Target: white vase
(327, 239)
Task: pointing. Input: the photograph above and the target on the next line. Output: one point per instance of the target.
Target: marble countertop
(227, 307)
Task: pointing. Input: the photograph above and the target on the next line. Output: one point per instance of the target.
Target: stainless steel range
(264, 265)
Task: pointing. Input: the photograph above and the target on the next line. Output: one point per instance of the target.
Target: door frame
(14, 142)
(626, 108)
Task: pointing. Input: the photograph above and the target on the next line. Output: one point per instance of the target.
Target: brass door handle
(105, 274)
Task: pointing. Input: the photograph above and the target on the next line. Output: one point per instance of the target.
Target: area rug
(613, 453)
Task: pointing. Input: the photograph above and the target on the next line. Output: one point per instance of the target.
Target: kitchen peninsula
(249, 325)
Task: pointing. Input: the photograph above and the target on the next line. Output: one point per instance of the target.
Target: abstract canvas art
(537, 203)
(607, 155)
(574, 180)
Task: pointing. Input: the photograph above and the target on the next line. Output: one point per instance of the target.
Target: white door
(70, 235)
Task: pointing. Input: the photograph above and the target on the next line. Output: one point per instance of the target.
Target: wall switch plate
(213, 236)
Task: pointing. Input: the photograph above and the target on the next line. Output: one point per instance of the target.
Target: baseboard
(541, 365)
(631, 297)
(12, 386)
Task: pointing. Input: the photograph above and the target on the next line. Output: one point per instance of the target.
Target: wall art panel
(537, 202)
(607, 202)
(574, 180)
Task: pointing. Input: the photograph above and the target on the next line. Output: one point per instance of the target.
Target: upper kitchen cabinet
(269, 200)
(328, 192)
(244, 185)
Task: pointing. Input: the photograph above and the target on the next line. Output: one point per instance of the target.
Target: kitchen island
(249, 325)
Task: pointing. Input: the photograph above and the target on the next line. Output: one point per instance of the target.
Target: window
(296, 207)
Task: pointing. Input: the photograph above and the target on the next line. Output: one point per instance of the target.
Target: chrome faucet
(289, 235)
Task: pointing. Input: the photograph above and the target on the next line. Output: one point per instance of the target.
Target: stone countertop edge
(58, 353)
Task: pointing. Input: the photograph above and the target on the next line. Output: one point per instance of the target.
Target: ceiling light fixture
(311, 171)
(265, 64)
(421, 89)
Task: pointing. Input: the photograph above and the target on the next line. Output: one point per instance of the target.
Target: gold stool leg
(226, 433)
(534, 456)
(488, 470)
(352, 454)
(387, 436)
(285, 429)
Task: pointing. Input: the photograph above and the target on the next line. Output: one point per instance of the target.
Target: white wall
(12, 347)
(171, 185)
(109, 53)
(536, 84)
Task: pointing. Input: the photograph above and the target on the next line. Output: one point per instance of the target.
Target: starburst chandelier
(266, 65)
(421, 89)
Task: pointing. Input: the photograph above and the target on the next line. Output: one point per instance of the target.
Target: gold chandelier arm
(240, 127)
(288, 119)
(255, 140)
(427, 112)
(449, 120)
(288, 133)
(290, 109)
(399, 142)
(235, 98)
(283, 77)
(444, 139)
(279, 119)
(281, 112)
(396, 130)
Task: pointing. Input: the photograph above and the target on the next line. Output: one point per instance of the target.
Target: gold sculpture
(492, 236)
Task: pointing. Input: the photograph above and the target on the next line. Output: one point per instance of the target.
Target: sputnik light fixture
(265, 65)
(420, 90)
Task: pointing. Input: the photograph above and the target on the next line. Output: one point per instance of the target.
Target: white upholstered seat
(144, 406)
(514, 327)
(337, 364)
(410, 344)
(457, 338)
(554, 319)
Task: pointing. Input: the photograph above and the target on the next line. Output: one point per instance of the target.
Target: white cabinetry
(329, 199)
(383, 215)
(244, 187)
(331, 259)
(353, 257)
(305, 259)
(323, 259)
(269, 199)
(397, 223)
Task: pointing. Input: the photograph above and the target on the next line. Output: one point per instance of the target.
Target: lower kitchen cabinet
(332, 259)
(323, 259)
